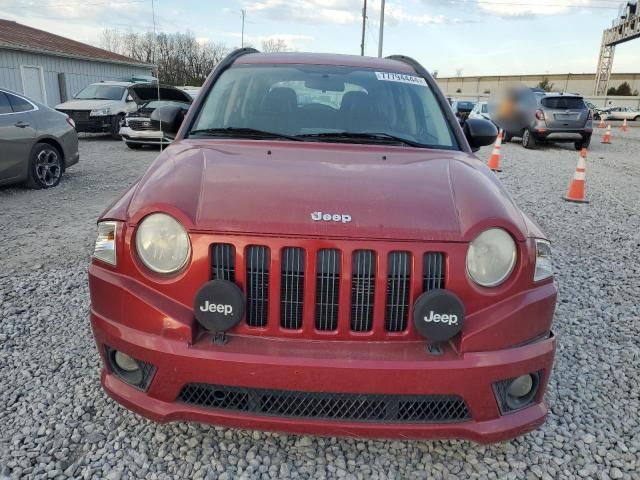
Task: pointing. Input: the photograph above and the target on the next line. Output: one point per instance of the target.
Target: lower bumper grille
(328, 406)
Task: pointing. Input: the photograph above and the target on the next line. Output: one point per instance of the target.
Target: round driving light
(125, 362)
(219, 305)
(521, 386)
(438, 315)
(162, 243)
(491, 257)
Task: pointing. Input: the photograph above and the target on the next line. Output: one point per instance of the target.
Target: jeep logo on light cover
(219, 305)
(220, 308)
(438, 315)
(450, 319)
(330, 217)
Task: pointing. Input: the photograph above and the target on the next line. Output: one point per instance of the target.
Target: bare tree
(274, 45)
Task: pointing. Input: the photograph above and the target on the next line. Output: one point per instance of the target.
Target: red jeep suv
(320, 252)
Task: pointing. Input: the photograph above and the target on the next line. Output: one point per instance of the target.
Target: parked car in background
(536, 116)
(483, 110)
(37, 144)
(622, 113)
(136, 128)
(337, 265)
(100, 107)
(192, 91)
(462, 108)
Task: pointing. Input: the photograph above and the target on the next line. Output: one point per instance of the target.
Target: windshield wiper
(378, 136)
(242, 133)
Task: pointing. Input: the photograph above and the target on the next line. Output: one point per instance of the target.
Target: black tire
(528, 141)
(582, 143)
(506, 136)
(133, 146)
(115, 126)
(45, 166)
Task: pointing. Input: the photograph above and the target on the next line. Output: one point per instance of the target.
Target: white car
(100, 107)
(483, 110)
(622, 113)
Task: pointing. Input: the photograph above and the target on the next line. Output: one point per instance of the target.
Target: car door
(17, 134)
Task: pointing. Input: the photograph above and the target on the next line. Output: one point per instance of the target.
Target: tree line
(180, 58)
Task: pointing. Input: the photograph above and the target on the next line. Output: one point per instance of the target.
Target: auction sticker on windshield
(400, 77)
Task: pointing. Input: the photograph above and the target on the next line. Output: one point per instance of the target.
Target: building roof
(16, 36)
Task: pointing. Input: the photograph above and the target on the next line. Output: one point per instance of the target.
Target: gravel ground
(57, 423)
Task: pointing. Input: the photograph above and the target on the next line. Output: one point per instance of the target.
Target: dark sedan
(462, 109)
(37, 143)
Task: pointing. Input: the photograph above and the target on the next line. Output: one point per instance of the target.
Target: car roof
(558, 94)
(324, 59)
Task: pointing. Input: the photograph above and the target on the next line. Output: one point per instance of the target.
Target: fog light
(125, 362)
(522, 390)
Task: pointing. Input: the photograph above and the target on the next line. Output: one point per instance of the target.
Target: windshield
(101, 92)
(313, 102)
(563, 102)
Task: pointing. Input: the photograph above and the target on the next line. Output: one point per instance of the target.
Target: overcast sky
(478, 37)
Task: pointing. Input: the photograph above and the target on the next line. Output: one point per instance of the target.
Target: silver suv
(555, 117)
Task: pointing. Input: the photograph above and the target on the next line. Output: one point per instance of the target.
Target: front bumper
(143, 137)
(402, 368)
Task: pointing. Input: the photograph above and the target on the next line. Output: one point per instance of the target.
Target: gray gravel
(55, 421)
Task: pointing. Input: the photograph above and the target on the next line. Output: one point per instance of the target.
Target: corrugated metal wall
(78, 73)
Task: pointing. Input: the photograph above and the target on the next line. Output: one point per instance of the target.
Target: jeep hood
(273, 188)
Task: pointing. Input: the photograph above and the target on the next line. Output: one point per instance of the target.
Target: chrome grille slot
(223, 262)
(433, 271)
(257, 291)
(327, 289)
(398, 289)
(291, 287)
(363, 278)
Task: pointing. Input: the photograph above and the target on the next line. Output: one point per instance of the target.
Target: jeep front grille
(304, 290)
(257, 285)
(291, 287)
(328, 406)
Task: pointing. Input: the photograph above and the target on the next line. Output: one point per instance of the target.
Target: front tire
(527, 139)
(506, 136)
(115, 126)
(45, 166)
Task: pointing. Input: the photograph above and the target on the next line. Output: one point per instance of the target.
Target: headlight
(162, 243)
(491, 257)
(100, 112)
(544, 268)
(105, 248)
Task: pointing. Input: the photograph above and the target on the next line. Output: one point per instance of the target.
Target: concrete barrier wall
(607, 101)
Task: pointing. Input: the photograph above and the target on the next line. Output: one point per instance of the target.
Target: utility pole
(244, 12)
(380, 37)
(364, 22)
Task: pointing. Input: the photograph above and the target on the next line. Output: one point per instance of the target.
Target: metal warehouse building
(51, 69)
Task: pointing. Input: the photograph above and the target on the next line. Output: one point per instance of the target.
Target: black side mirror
(168, 119)
(479, 132)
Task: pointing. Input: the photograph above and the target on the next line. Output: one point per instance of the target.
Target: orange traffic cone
(494, 160)
(576, 187)
(601, 124)
(607, 135)
(624, 127)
